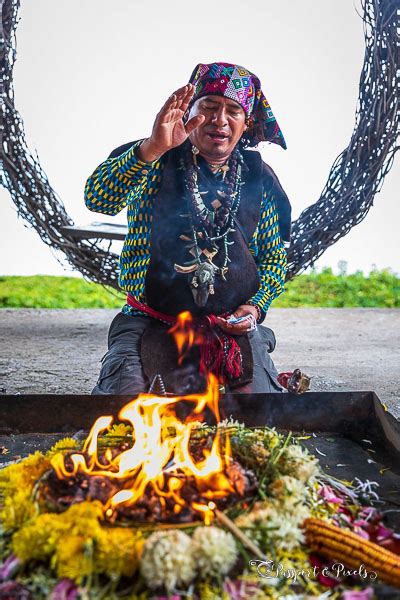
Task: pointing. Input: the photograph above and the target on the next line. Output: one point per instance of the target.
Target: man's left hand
(243, 326)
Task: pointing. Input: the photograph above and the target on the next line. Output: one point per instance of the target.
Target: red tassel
(219, 353)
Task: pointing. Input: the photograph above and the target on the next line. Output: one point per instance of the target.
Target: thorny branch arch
(355, 177)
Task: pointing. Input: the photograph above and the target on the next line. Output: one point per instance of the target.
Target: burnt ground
(58, 351)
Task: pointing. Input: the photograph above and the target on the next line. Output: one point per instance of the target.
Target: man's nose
(220, 117)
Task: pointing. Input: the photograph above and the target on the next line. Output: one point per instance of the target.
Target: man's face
(224, 124)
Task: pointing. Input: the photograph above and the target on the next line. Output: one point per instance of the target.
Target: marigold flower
(118, 551)
(62, 446)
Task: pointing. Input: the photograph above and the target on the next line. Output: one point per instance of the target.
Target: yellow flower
(83, 518)
(17, 509)
(119, 430)
(118, 551)
(77, 545)
(62, 446)
(270, 436)
(208, 592)
(38, 539)
(24, 473)
(73, 557)
(16, 485)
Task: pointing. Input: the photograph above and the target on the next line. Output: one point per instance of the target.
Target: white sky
(91, 75)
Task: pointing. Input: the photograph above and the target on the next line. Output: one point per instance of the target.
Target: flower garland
(77, 554)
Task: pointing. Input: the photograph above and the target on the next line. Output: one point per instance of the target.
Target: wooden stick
(229, 524)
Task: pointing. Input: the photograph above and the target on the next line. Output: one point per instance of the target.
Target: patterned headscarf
(239, 84)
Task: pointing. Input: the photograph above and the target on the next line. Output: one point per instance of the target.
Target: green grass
(380, 289)
(44, 291)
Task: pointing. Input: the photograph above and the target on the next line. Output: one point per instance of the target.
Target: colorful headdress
(239, 84)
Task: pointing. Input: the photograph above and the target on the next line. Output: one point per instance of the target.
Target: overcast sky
(92, 74)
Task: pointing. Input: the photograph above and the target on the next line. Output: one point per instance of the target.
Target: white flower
(262, 513)
(288, 486)
(167, 560)
(288, 536)
(302, 464)
(214, 551)
(280, 526)
(199, 425)
(297, 512)
(230, 423)
(297, 452)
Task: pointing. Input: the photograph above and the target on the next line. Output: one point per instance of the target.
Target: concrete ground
(58, 351)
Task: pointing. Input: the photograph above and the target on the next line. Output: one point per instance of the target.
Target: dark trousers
(122, 372)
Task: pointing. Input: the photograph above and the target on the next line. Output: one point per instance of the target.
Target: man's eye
(232, 113)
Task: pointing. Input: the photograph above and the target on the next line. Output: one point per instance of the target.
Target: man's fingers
(187, 98)
(233, 329)
(193, 123)
(184, 90)
(178, 99)
(181, 94)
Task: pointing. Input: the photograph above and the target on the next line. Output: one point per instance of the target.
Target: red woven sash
(219, 353)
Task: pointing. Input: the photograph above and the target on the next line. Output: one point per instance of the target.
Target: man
(207, 225)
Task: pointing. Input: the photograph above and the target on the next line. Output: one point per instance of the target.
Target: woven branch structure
(355, 177)
(358, 172)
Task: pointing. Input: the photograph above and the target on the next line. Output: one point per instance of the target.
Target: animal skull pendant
(202, 282)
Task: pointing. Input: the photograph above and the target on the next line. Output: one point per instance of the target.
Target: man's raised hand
(169, 130)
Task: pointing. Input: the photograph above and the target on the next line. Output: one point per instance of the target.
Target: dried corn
(352, 550)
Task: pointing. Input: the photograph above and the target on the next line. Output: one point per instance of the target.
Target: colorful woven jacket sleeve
(269, 254)
(117, 181)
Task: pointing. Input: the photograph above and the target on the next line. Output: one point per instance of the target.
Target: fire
(184, 334)
(160, 454)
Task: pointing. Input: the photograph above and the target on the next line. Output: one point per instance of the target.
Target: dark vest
(168, 291)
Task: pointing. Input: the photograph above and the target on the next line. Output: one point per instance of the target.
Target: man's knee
(121, 370)
(121, 374)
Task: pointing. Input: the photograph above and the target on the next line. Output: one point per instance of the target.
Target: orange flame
(184, 334)
(161, 446)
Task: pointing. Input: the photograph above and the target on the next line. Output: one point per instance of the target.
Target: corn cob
(352, 550)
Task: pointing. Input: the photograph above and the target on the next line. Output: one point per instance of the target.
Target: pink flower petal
(66, 589)
(361, 532)
(240, 590)
(9, 568)
(327, 493)
(366, 594)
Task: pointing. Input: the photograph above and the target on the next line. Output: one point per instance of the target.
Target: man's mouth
(218, 136)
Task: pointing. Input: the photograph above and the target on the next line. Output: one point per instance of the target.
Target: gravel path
(58, 351)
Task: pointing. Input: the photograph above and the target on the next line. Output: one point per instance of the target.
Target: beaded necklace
(210, 228)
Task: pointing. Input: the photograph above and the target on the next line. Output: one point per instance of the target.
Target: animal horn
(181, 269)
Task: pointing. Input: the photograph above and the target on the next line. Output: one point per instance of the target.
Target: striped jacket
(125, 181)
